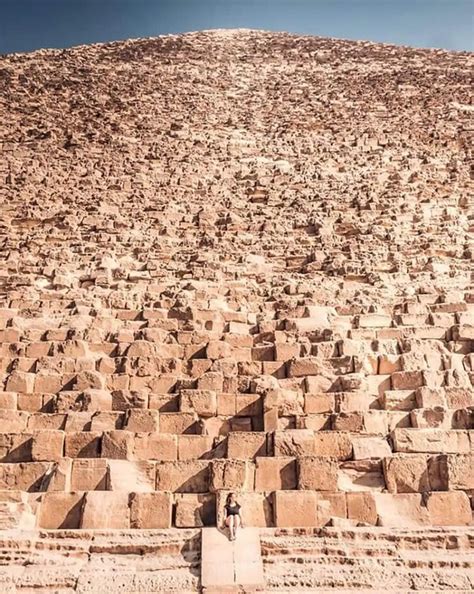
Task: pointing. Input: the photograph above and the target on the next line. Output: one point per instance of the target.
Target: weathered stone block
(126, 475)
(294, 442)
(105, 510)
(235, 475)
(47, 445)
(431, 441)
(201, 402)
(142, 420)
(449, 508)
(89, 475)
(275, 474)
(194, 510)
(155, 446)
(83, 444)
(406, 474)
(307, 508)
(361, 507)
(246, 445)
(61, 510)
(185, 476)
(401, 510)
(150, 510)
(317, 474)
(333, 444)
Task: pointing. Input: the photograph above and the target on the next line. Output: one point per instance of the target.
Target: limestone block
(398, 400)
(89, 379)
(449, 508)
(294, 442)
(307, 366)
(333, 444)
(20, 381)
(48, 382)
(61, 510)
(285, 351)
(401, 510)
(246, 445)
(106, 421)
(248, 405)
(348, 421)
(150, 510)
(375, 321)
(128, 475)
(226, 404)
(155, 446)
(177, 422)
(275, 474)
(47, 445)
(406, 380)
(95, 399)
(105, 510)
(58, 477)
(317, 474)
(142, 420)
(8, 400)
(184, 476)
(430, 397)
(89, 475)
(377, 384)
(319, 383)
(16, 421)
(201, 402)
(295, 509)
(361, 507)
(323, 422)
(370, 447)
(118, 444)
(195, 510)
(307, 508)
(406, 474)
(195, 447)
(218, 349)
(238, 475)
(319, 403)
(83, 444)
(431, 441)
(389, 364)
(23, 476)
(360, 475)
(424, 418)
(376, 421)
(460, 471)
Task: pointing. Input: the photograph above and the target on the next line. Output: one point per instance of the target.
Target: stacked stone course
(236, 261)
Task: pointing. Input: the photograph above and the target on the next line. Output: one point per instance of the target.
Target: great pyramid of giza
(236, 261)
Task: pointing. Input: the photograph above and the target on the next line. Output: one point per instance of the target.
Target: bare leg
(232, 527)
(236, 524)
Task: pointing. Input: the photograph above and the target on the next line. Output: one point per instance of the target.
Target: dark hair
(227, 501)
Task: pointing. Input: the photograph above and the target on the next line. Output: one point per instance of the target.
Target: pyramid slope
(236, 261)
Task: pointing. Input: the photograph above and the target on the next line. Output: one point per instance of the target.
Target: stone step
(231, 564)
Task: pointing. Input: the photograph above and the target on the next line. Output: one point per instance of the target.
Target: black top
(232, 510)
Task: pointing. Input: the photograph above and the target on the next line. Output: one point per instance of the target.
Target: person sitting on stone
(233, 519)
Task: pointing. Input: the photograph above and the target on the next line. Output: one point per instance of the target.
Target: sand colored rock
(236, 261)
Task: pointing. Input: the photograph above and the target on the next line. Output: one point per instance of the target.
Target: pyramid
(236, 261)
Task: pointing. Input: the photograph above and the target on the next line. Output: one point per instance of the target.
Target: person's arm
(241, 520)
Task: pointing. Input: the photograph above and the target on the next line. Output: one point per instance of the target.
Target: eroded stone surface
(236, 260)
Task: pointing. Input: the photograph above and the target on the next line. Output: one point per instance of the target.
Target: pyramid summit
(236, 261)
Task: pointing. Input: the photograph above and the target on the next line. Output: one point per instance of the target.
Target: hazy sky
(30, 24)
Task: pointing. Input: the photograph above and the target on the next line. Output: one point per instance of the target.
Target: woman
(233, 519)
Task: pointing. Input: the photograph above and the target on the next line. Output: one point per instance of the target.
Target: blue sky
(30, 24)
